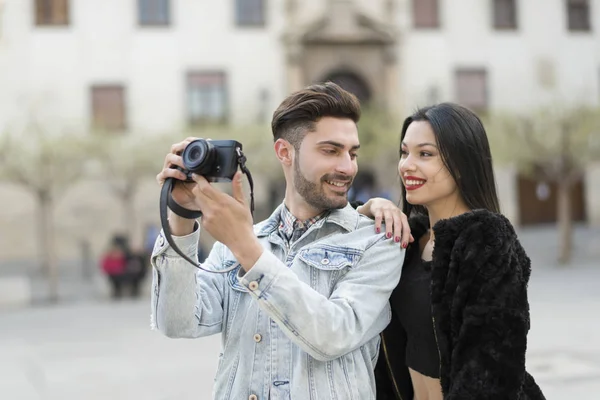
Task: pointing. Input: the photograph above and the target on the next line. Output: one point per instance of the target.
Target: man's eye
(354, 156)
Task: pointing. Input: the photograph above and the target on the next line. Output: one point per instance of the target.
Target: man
(301, 316)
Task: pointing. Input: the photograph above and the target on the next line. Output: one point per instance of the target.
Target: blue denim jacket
(302, 324)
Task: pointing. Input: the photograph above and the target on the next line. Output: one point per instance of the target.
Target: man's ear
(284, 151)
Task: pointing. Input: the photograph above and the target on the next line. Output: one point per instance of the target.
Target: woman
(460, 312)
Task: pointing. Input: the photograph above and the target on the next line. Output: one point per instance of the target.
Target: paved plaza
(90, 348)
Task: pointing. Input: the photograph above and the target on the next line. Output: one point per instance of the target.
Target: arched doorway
(352, 83)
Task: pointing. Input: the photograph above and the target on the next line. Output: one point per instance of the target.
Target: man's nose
(347, 165)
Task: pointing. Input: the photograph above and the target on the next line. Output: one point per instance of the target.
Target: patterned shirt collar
(291, 228)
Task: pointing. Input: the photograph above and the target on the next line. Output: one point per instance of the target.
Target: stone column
(392, 81)
(295, 76)
(293, 48)
(390, 11)
(291, 12)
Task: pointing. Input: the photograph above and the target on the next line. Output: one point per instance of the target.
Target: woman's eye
(425, 154)
(403, 152)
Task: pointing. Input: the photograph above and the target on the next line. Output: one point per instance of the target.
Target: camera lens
(196, 154)
(199, 156)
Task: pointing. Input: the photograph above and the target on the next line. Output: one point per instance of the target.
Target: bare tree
(553, 144)
(123, 162)
(45, 164)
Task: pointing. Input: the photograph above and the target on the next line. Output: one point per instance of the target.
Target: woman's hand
(396, 223)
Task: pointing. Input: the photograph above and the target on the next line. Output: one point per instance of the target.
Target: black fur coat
(480, 313)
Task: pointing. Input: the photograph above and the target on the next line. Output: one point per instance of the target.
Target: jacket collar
(347, 218)
(455, 226)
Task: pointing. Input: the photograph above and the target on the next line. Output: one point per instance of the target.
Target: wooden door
(538, 201)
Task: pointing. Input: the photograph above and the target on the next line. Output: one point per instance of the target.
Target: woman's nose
(405, 165)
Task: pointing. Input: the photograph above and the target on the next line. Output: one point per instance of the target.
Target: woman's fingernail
(389, 235)
(397, 239)
(404, 245)
(378, 230)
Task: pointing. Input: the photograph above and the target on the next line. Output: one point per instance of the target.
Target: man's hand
(182, 191)
(228, 219)
(396, 223)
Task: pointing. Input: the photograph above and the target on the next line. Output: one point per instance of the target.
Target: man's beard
(314, 194)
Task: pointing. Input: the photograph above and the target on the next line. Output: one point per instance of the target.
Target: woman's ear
(284, 151)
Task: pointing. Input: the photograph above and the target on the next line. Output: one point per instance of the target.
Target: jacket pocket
(330, 258)
(324, 265)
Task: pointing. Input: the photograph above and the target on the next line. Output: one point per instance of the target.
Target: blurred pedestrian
(113, 264)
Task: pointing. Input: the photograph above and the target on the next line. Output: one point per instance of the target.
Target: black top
(412, 303)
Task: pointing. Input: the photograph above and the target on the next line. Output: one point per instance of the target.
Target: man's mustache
(337, 177)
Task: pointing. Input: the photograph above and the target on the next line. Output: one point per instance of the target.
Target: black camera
(216, 160)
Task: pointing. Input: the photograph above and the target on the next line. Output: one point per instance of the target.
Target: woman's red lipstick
(413, 182)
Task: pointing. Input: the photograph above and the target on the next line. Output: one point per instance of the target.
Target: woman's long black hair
(465, 151)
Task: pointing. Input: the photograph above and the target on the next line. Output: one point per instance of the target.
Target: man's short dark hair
(300, 111)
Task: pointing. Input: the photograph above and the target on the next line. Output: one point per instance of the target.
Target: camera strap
(166, 201)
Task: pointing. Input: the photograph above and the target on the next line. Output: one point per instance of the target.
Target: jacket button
(253, 397)
(257, 338)
(325, 261)
(253, 285)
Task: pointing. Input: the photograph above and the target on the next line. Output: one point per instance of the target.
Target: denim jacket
(303, 323)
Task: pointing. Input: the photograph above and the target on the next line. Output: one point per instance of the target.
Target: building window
(578, 15)
(153, 12)
(250, 12)
(426, 13)
(51, 12)
(505, 14)
(207, 97)
(108, 107)
(471, 89)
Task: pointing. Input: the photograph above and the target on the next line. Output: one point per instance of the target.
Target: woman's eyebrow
(421, 144)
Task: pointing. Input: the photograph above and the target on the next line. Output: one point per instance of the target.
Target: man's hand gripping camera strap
(166, 200)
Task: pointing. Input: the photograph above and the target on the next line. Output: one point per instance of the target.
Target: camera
(215, 160)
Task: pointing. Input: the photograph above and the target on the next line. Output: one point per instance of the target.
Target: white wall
(52, 68)
(466, 38)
